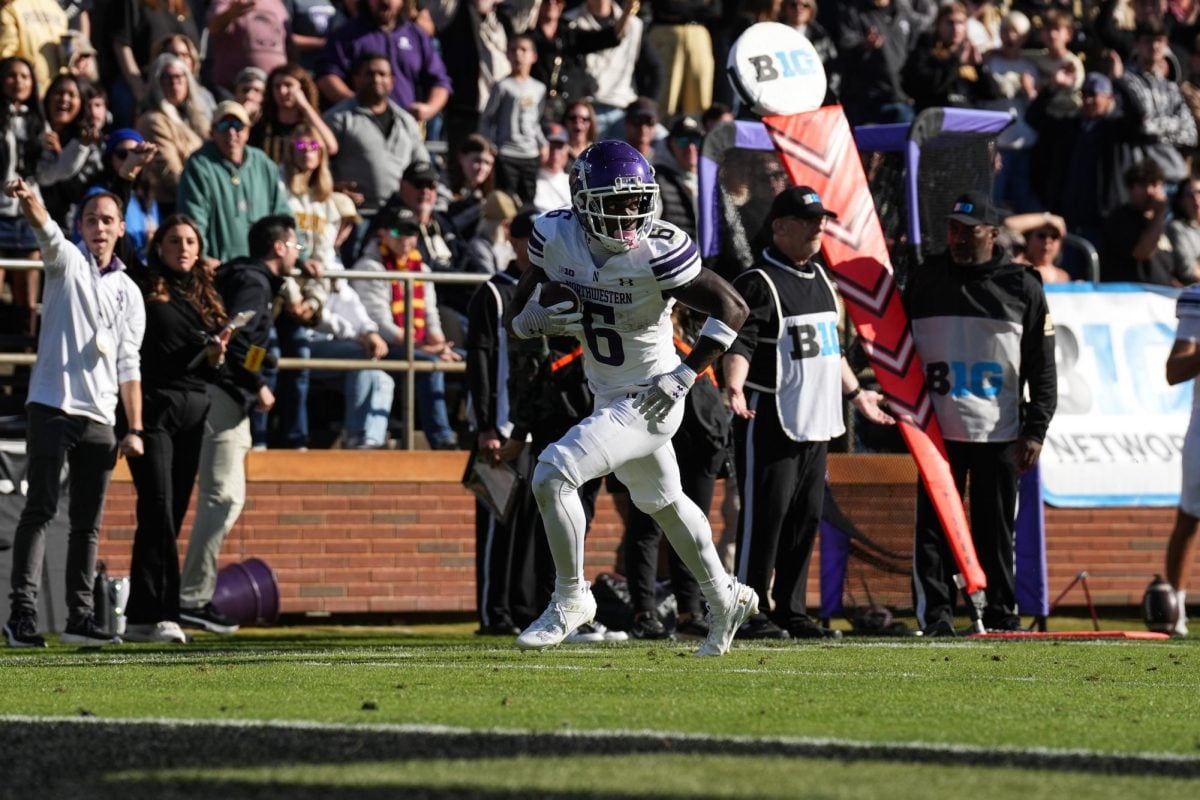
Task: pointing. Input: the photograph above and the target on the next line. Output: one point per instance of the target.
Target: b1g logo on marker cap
(776, 70)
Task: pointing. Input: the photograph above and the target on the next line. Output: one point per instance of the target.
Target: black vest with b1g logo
(982, 332)
(799, 361)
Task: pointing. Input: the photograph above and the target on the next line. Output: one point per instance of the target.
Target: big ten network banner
(1117, 437)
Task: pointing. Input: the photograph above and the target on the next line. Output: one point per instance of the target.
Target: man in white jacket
(93, 319)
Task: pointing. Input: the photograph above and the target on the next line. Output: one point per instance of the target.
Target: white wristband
(719, 332)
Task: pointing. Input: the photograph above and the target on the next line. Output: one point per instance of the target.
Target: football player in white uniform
(1183, 364)
(628, 270)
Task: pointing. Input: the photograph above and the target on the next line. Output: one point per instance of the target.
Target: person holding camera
(246, 284)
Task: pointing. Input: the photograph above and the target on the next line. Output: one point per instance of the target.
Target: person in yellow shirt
(34, 29)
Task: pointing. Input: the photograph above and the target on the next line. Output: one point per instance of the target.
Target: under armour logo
(625, 281)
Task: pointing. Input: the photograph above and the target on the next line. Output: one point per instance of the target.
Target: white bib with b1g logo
(808, 371)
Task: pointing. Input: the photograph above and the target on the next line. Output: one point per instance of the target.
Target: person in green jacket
(227, 185)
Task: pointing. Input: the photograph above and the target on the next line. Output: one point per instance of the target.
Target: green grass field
(436, 712)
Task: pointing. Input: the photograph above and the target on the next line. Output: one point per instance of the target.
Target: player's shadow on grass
(100, 759)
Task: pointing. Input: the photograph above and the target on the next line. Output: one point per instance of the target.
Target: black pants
(992, 489)
(164, 477)
(89, 448)
(783, 493)
(499, 576)
(643, 538)
(517, 176)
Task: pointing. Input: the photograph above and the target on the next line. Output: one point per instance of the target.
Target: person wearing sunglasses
(580, 121)
(677, 169)
(1043, 234)
(983, 330)
(227, 185)
(339, 326)
(126, 153)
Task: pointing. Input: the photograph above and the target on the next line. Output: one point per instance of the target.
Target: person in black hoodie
(180, 355)
(245, 284)
(983, 331)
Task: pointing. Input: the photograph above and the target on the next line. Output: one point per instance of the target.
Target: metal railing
(409, 366)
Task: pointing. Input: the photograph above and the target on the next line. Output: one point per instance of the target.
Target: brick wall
(394, 532)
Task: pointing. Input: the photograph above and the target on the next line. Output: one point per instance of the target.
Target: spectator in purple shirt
(421, 85)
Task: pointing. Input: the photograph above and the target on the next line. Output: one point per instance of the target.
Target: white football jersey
(626, 318)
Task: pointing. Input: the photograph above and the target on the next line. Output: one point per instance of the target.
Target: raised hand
(18, 189)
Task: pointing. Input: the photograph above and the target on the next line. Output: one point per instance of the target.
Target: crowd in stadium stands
(336, 99)
(409, 136)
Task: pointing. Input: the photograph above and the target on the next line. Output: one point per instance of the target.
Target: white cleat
(560, 619)
(593, 632)
(722, 625)
(161, 632)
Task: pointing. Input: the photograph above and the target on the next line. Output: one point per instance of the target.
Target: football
(555, 292)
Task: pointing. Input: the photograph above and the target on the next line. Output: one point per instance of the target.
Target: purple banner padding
(1030, 545)
(709, 231)
(969, 120)
(911, 170)
(835, 556)
(888, 138)
(752, 135)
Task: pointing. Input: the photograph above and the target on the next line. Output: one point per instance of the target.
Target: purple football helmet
(614, 194)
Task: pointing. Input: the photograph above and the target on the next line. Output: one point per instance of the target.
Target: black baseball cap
(421, 172)
(686, 126)
(799, 201)
(975, 208)
(399, 219)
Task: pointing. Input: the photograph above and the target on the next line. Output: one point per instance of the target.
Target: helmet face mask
(614, 194)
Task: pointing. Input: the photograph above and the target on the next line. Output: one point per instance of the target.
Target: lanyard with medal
(105, 340)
